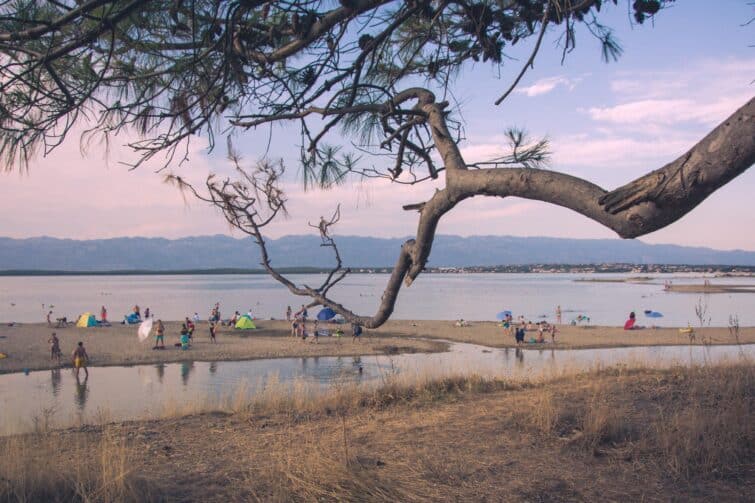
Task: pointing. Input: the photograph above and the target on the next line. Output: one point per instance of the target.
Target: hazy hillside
(207, 252)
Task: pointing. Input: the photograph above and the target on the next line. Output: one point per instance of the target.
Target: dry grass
(95, 469)
(612, 434)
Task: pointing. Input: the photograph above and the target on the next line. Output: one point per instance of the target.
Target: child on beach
(55, 352)
(160, 335)
(184, 339)
(80, 358)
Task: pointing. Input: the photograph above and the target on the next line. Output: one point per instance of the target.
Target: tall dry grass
(97, 469)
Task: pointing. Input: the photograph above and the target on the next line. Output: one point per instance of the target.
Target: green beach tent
(86, 320)
(245, 323)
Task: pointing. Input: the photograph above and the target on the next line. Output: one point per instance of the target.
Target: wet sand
(27, 348)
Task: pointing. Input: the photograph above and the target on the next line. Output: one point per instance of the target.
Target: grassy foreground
(684, 434)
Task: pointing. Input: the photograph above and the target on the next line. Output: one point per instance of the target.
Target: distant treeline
(530, 268)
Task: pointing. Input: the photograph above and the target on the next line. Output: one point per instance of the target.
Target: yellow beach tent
(245, 322)
(86, 320)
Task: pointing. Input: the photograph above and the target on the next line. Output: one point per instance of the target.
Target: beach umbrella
(144, 329)
(503, 315)
(326, 314)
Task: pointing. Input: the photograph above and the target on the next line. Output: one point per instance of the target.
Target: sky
(608, 123)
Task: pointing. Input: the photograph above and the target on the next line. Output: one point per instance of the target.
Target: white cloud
(546, 85)
(669, 111)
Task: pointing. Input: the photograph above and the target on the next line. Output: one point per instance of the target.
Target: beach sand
(27, 348)
(491, 334)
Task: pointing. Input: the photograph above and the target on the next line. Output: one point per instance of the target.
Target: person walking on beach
(288, 313)
(553, 333)
(49, 319)
(212, 332)
(55, 352)
(80, 358)
(103, 314)
(160, 335)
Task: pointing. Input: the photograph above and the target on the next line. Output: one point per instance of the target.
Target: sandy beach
(491, 334)
(26, 345)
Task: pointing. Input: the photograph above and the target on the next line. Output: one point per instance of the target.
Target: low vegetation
(617, 433)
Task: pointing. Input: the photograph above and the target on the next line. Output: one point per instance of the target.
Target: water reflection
(82, 392)
(160, 367)
(519, 354)
(55, 381)
(186, 368)
(134, 392)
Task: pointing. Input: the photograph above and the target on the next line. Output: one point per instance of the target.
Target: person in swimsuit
(55, 352)
(80, 358)
(160, 334)
(212, 332)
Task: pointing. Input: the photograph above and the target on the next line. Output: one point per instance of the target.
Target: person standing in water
(80, 358)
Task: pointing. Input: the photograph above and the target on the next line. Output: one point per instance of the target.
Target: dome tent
(245, 322)
(86, 320)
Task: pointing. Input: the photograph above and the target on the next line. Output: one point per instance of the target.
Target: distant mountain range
(211, 252)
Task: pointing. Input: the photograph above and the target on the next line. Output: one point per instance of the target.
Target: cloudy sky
(608, 123)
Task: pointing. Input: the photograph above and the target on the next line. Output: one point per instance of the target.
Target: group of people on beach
(299, 327)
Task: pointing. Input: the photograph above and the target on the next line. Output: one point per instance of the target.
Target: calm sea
(432, 296)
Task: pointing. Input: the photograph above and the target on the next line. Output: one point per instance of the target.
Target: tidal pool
(55, 398)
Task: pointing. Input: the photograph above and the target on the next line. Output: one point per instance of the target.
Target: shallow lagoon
(145, 391)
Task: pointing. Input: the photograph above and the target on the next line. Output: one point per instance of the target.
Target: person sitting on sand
(55, 352)
(461, 323)
(80, 358)
(160, 335)
(630, 323)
